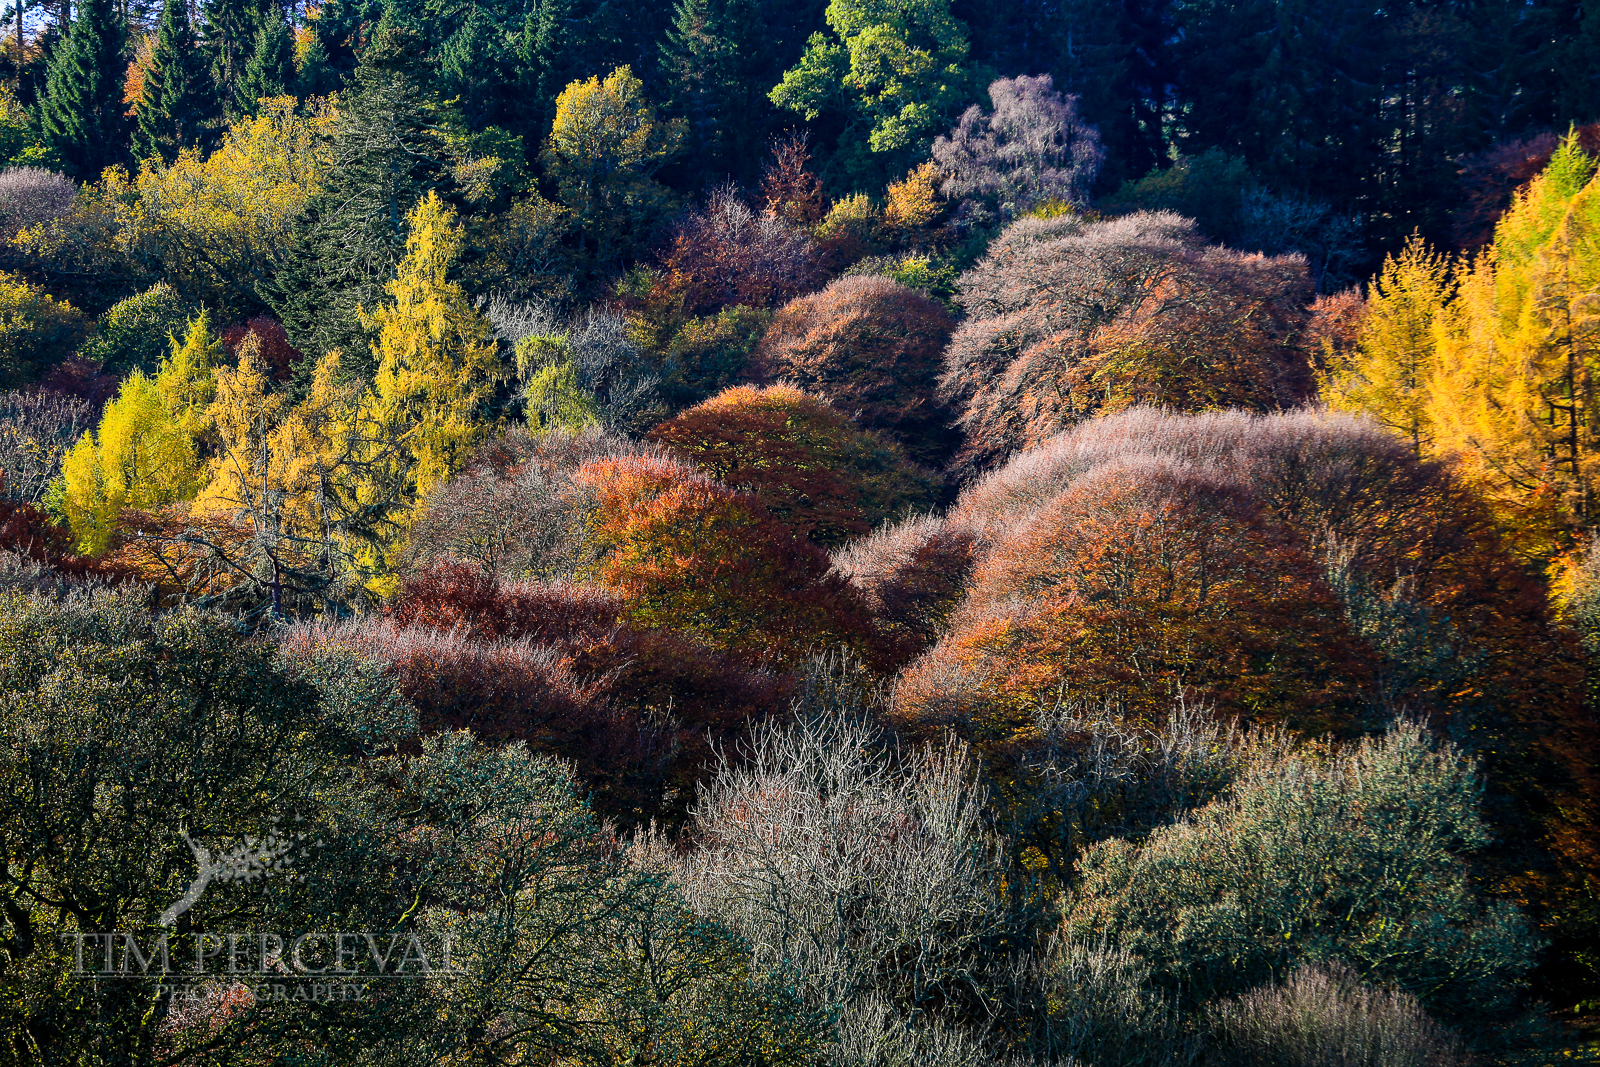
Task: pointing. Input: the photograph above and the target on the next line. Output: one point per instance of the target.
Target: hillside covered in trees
(870, 533)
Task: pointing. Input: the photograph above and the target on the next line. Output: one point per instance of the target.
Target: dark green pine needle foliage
(270, 71)
(173, 108)
(388, 153)
(81, 116)
(229, 41)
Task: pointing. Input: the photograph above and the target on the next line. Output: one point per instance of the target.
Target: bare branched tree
(1032, 148)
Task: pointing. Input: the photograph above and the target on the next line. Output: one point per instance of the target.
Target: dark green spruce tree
(270, 71)
(229, 40)
(81, 115)
(719, 59)
(387, 154)
(173, 108)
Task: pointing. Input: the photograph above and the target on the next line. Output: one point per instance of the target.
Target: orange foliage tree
(685, 553)
(1068, 319)
(802, 459)
(1144, 583)
(872, 347)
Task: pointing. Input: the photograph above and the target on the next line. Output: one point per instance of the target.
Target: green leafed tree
(896, 71)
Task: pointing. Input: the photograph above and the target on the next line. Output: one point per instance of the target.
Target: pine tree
(270, 71)
(474, 65)
(315, 75)
(545, 56)
(81, 114)
(231, 27)
(172, 107)
(387, 154)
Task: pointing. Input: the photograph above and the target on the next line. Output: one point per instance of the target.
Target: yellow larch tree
(437, 365)
(1516, 396)
(145, 453)
(1389, 374)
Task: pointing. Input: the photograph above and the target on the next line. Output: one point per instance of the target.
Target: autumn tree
(727, 254)
(1514, 393)
(685, 553)
(605, 144)
(871, 347)
(812, 469)
(217, 227)
(144, 453)
(1032, 148)
(436, 363)
(1068, 319)
(1396, 350)
(37, 331)
(1143, 584)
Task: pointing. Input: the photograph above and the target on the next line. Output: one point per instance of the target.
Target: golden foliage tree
(1396, 345)
(1515, 392)
(145, 452)
(436, 362)
(605, 144)
(217, 226)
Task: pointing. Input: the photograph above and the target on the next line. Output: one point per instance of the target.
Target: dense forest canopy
(870, 533)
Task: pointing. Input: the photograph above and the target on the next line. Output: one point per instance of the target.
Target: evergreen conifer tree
(270, 71)
(387, 155)
(172, 107)
(81, 116)
(229, 39)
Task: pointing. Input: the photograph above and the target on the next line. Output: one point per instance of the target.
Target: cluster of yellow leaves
(145, 452)
(222, 222)
(605, 143)
(914, 202)
(1496, 361)
(36, 329)
(335, 475)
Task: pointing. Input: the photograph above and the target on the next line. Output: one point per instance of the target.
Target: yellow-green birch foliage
(145, 452)
(1396, 351)
(1516, 391)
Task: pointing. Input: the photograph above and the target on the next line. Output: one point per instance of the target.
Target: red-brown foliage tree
(788, 188)
(687, 554)
(1068, 319)
(271, 345)
(1143, 581)
(872, 347)
(804, 461)
(728, 255)
(666, 684)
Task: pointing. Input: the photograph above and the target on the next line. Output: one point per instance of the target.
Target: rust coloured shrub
(872, 347)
